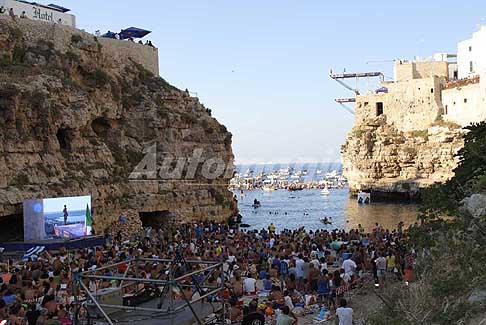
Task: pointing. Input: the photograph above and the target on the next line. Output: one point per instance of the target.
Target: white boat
(268, 188)
(325, 191)
(364, 198)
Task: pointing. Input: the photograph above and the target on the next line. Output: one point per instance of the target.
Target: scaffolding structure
(195, 276)
(339, 77)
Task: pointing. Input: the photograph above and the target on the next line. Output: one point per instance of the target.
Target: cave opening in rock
(65, 137)
(101, 126)
(12, 228)
(156, 219)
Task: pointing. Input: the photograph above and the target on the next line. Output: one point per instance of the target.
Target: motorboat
(295, 188)
(325, 191)
(364, 198)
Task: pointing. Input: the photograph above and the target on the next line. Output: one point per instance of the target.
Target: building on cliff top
(50, 13)
(424, 91)
(53, 23)
(407, 133)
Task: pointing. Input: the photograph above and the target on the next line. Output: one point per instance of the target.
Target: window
(471, 68)
(431, 90)
(446, 109)
(465, 100)
(470, 48)
(379, 108)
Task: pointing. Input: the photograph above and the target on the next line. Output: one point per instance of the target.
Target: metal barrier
(132, 278)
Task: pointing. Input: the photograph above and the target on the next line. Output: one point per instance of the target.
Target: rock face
(77, 121)
(393, 164)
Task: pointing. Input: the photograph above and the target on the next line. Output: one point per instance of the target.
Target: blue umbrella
(133, 32)
(109, 35)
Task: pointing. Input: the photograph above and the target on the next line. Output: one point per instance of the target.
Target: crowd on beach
(270, 275)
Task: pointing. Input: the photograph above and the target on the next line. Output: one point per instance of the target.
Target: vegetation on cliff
(451, 244)
(74, 121)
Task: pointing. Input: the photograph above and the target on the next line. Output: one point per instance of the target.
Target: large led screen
(64, 217)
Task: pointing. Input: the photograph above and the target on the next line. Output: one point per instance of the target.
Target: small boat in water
(295, 188)
(364, 198)
(268, 188)
(326, 221)
(325, 191)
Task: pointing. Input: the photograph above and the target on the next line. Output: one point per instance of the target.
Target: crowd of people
(269, 274)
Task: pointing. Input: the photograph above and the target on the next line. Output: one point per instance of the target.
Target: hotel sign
(42, 14)
(37, 12)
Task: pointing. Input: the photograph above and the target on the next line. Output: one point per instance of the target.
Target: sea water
(295, 209)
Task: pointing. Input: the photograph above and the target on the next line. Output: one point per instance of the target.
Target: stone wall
(408, 146)
(409, 70)
(409, 105)
(123, 51)
(116, 53)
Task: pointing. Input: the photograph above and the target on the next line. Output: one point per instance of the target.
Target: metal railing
(131, 278)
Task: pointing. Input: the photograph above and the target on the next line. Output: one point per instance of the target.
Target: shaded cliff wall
(75, 120)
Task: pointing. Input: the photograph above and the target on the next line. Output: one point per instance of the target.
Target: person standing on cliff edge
(66, 214)
(11, 13)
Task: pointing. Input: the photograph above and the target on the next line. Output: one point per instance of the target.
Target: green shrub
(18, 55)
(101, 78)
(97, 78)
(76, 38)
(71, 56)
(480, 185)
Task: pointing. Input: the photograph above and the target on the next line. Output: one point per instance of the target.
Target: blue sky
(263, 66)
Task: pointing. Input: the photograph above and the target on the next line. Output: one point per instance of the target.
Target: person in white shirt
(344, 313)
(299, 268)
(288, 300)
(271, 242)
(299, 265)
(249, 284)
(349, 267)
(315, 261)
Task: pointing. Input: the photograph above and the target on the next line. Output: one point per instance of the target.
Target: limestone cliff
(75, 120)
(393, 164)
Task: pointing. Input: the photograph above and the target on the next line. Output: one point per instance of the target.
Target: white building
(471, 54)
(48, 13)
(464, 100)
